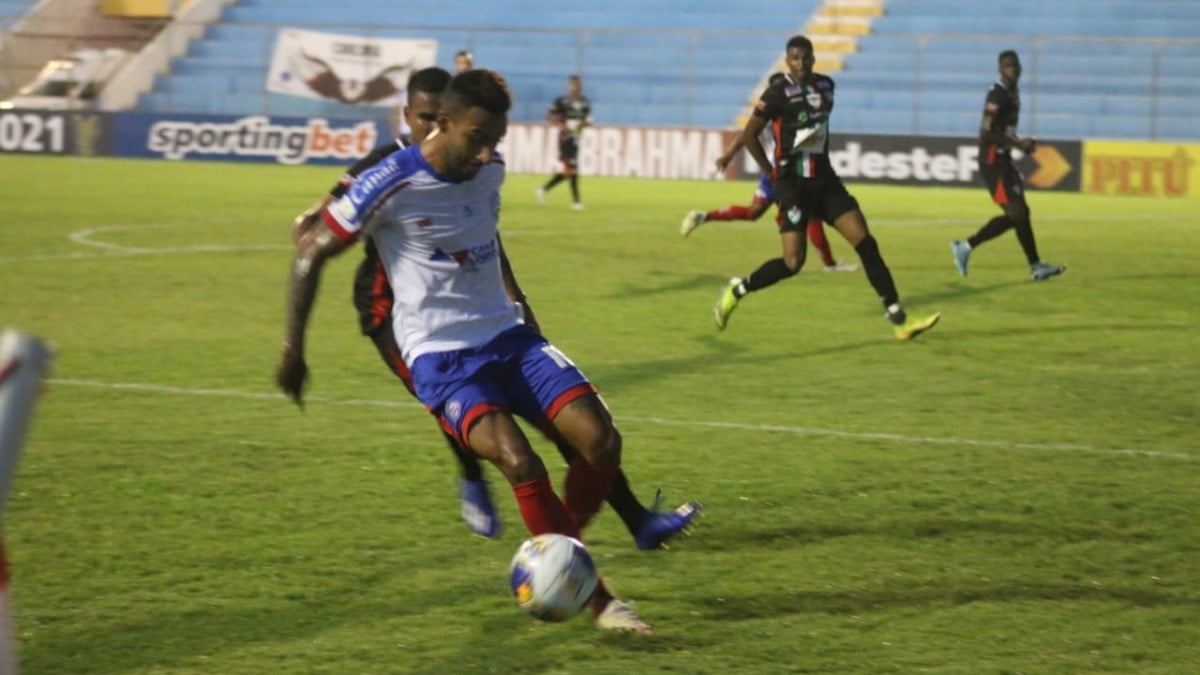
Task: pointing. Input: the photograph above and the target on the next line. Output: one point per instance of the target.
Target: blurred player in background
(373, 298)
(764, 196)
(433, 212)
(24, 361)
(806, 188)
(463, 61)
(997, 135)
(570, 114)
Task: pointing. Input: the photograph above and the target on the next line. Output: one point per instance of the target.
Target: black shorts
(1003, 182)
(373, 300)
(803, 199)
(568, 152)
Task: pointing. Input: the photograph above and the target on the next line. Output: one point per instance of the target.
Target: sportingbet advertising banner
(935, 160)
(54, 132)
(253, 138)
(352, 69)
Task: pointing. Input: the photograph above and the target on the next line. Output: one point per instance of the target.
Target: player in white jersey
(432, 211)
(24, 361)
(650, 528)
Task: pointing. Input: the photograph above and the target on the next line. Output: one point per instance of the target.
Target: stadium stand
(11, 11)
(648, 62)
(1093, 68)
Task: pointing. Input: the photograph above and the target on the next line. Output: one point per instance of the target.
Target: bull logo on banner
(354, 70)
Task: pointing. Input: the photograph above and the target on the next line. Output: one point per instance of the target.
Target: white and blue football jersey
(437, 237)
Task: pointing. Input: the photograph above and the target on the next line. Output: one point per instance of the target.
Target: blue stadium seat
(643, 61)
(12, 11)
(1098, 68)
(1111, 68)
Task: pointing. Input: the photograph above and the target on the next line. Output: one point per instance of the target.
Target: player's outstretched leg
(651, 529)
(907, 328)
(1040, 271)
(477, 511)
(962, 255)
(727, 301)
(618, 615)
(659, 527)
(691, 221)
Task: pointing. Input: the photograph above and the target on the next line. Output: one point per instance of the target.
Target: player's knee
(1018, 213)
(603, 447)
(793, 262)
(519, 464)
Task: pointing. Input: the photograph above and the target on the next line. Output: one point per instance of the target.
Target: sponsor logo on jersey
(469, 259)
(372, 180)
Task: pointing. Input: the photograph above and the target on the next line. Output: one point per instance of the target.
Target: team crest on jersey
(453, 410)
(814, 99)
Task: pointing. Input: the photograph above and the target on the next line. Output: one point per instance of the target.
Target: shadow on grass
(615, 377)
(714, 281)
(801, 535)
(786, 602)
(957, 291)
(183, 639)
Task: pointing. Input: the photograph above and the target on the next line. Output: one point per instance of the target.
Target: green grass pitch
(1016, 491)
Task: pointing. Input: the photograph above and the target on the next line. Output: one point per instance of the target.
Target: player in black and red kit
(373, 299)
(570, 114)
(806, 187)
(764, 197)
(997, 135)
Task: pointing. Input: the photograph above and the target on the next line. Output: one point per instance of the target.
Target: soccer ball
(552, 576)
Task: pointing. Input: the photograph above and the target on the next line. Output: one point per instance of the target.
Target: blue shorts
(518, 372)
(765, 193)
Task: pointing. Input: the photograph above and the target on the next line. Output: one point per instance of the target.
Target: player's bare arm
(314, 248)
(724, 160)
(513, 289)
(309, 219)
(997, 137)
(750, 139)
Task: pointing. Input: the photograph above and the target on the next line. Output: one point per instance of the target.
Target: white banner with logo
(351, 69)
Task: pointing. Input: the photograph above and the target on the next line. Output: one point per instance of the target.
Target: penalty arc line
(659, 421)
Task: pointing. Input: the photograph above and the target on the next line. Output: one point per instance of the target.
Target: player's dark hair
(432, 80)
(1007, 53)
(462, 52)
(775, 78)
(477, 89)
(801, 42)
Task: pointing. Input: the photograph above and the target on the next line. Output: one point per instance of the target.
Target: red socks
(816, 234)
(731, 213)
(585, 489)
(542, 510)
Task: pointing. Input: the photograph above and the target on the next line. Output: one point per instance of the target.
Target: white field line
(658, 421)
(103, 249)
(86, 237)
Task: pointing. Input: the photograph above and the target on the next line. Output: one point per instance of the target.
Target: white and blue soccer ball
(552, 576)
